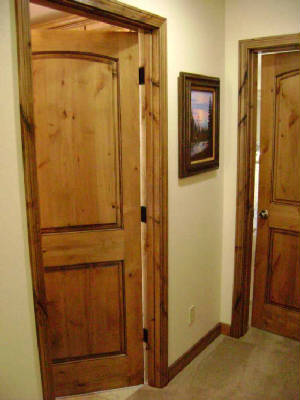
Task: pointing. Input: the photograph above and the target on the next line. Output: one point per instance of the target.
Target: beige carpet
(260, 366)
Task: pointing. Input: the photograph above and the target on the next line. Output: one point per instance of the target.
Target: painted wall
(244, 19)
(195, 44)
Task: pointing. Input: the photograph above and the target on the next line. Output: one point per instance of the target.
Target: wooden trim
(74, 21)
(248, 50)
(156, 172)
(194, 351)
(111, 11)
(225, 329)
(62, 22)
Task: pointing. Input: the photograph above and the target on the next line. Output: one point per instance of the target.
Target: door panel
(85, 324)
(86, 110)
(77, 142)
(286, 169)
(284, 273)
(276, 301)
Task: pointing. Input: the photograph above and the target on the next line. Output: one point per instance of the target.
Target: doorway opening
(251, 53)
(81, 181)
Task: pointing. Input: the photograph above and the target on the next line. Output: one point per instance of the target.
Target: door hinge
(145, 336)
(142, 75)
(143, 214)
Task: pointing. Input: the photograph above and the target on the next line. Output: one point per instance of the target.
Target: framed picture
(199, 104)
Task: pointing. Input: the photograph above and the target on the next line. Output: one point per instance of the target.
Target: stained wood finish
(83, 102)
(75, 22)
(283, 282)
(194, 351)
(83, 247)
(276, 300)
(157, 206)
(70, 116)
(122, 15)
(111, 11)
(245, 170)
(225, 329)
(82, 323)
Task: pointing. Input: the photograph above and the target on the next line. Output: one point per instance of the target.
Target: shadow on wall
(205, 176)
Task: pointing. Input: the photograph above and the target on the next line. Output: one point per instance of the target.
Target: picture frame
(199, 121)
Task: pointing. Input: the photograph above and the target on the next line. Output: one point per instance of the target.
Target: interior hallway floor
(259, 366)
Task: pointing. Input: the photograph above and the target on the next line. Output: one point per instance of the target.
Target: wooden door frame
(153, 29)
(247, 112)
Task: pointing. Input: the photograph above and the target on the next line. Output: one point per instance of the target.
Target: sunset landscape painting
(201, 139)
(198, 122)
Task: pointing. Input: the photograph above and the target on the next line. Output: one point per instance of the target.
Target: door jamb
(154, 29)
(248, 50)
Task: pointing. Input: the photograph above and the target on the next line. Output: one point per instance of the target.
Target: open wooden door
(276, 301)
(86, 111)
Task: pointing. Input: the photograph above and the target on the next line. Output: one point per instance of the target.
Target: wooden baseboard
(225, 329)
(188, 356)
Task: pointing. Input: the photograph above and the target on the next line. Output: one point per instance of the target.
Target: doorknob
(264, 214)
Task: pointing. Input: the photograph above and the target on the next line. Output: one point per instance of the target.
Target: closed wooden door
(86, 110)
(276, 302)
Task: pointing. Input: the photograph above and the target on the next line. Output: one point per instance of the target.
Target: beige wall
(195, 44)
(244, 19)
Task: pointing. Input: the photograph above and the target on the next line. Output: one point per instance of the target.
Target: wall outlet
(191, 315)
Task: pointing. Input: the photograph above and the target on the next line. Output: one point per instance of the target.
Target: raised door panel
(77, 147)
(286, 167)
(86, 310)
(283, 281)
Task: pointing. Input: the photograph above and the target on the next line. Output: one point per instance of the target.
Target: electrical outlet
(191, 315)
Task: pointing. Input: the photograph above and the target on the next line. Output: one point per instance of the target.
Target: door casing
(247, 113)
(152, 32)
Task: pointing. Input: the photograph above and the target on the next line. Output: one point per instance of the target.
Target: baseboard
(225, 329)
(188, 356)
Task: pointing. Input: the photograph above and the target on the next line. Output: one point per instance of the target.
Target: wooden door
(276, 302)
(86, 110)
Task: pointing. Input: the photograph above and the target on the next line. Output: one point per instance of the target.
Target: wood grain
(157, 203)
(74, 142)
(87, 376)
(286, 168)
(111, 12)
(284, 269)
(245, 170)
(276, 278)
(82, 247)
(76, 22)
(87, 144)
(90, 324)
